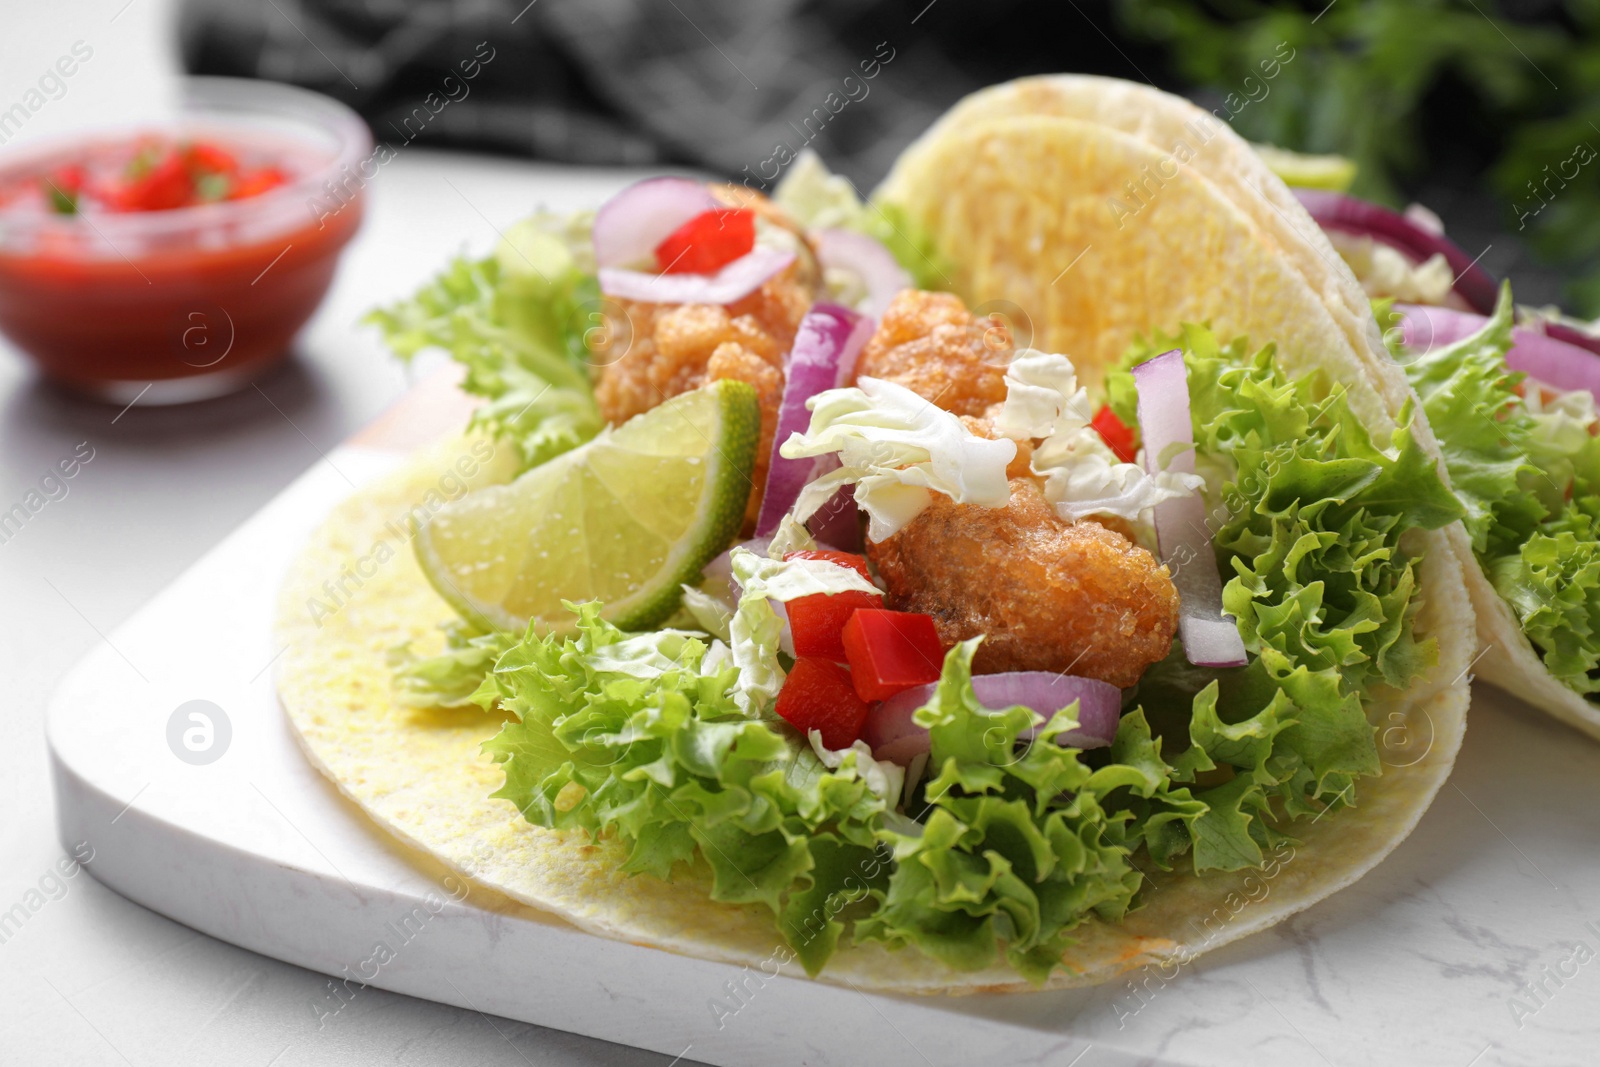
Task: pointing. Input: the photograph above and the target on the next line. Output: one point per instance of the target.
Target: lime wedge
(1306, 171)
(625, 519)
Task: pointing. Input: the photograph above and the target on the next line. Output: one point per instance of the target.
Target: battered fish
(931, 344)
(652, 352)
(1051, 595)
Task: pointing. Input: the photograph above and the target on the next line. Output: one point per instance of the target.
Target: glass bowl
(179, 305)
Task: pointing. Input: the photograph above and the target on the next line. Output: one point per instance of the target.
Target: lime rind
(623, 497)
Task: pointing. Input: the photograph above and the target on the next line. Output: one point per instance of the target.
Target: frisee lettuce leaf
(1306, 512)
(516, 320)
(1013, 848)
(450, 678)
(1526, 466)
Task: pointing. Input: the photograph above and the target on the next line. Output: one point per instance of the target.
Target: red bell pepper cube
(855, 561)
(708, 242)
(817, 622)
(818, 695)
(890, 651)
(1117, 434)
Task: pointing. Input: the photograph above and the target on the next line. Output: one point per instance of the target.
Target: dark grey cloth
(736, 87)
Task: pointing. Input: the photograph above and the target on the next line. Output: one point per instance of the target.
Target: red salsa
(152, 173)
(154, 258)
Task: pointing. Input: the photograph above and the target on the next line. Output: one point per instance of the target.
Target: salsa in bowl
(176, 262)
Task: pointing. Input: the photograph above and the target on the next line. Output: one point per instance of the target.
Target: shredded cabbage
(897, 449)
(1082, 476)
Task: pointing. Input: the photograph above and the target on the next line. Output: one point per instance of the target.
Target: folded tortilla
(1197, 140)
(1020, 204)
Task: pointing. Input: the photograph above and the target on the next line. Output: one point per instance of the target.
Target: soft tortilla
(1177, 129)
(1195, 257)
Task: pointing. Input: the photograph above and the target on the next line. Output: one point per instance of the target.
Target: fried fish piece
(931, 344)
(1050, 595)
(652, 352)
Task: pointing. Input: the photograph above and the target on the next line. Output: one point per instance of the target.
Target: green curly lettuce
(1525, 463)
(1013, 847)
(450, 678)
(641, 735)
(517, 321)
(1306, 512)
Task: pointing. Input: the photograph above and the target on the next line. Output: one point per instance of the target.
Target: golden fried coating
(662, 350)
(1050, 595)
(930, 343)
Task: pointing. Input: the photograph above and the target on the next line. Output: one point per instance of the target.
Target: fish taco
(785, 604)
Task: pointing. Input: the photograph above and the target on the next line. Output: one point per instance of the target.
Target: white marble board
(1473, 944)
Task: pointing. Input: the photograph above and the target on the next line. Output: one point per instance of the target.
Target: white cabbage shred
(1082, 476)
(896, 449)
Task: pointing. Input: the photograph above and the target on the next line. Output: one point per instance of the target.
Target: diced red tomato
(855, 562)
(817, 622)
(708, 242)
(890, 651)
(257, 182)
(165, 185)
(818, 695)
(1117, 434)
(210, 159)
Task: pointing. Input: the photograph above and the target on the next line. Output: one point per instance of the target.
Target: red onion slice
(859, 254)
(838, 522)
(1336, 211)
(628, 227)
(735, 281)
(825, 344)
(893, 735)
(1210, 637)
(1545, 358)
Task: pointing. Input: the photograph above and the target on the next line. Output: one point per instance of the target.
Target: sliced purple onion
(894, 735)
(866, 258)
(628, 227)
(838, 522)
(1346, 214)
(1570, 334)
(734, 282)
(827, 340)
(1210, 637)
(1545, 357)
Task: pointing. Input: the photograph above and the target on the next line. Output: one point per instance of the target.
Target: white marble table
(1492, 893)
